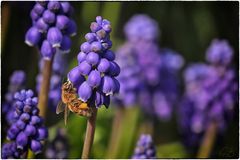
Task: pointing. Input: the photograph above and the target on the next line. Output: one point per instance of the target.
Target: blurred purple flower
(27, 132)
(145, 149)
(52, 27)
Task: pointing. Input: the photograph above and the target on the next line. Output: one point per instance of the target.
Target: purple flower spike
(41, 25)
(32, 37)
(103, 65)
(75, 76)
(47, 50)
(54, 23)
(84, 91)
(22, 140)
(62, 22)
(66, 44)
(92, 58)
(145, 148)
(36, 146)
(48, 17)
(84, 68)
(81, 57)
(94, 79)
(54, 37)
(94, 64)
(85, 47)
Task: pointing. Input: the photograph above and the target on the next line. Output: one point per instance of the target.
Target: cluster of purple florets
(94, 77)
(147, 71)
(28, 130)
(145, 148)
(59, 147)
(16, 83)
(52, 27)
(58, 71)
(210, 93)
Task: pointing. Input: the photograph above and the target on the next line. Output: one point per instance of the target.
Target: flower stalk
(208, 141)
(45, 84)
(91, 123)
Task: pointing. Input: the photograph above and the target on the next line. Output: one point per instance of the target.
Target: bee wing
(66, 112)
(60, 107)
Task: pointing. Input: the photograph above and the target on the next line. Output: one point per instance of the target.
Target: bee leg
(66, 112)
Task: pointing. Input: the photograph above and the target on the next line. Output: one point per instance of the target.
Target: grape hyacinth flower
(52, 27)
(141, 27)
(58, 71)
(94, 77)
(16, 83)
(145, 148)
(210, 96)
(58, 148)
(28, 132)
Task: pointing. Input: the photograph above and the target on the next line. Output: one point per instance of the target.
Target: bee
(71, 102)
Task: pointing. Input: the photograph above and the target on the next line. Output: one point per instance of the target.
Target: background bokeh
(186, 27)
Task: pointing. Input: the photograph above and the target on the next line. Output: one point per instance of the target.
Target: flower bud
(90, 37)
(107, 28)
(81, 57)
(95, 27)
(71, 28)
(108, 85)
(12, 132)
(101, 34)
(35, 120)
(47, 50)
(25, 117)
(36, 146)
(109, 55)
(92, 58)
(84, 91)
(48, 17)
(62, 22)
(114, 69)
(54, 36)
(41, 25)
(66, 7)
(96, 46)
(75, 76)
(84, 68)
(103, 65)
(42, 133)
(30, 130)
(22, 140)
(99, 20)
(66, 44)
(34, 15)
(94, 79)
(54, 6)
(29, 93)
(32, 37)
(85, 47)
(20, 124)
(38, 8)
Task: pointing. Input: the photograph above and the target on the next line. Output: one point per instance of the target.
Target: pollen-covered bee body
(72, 103)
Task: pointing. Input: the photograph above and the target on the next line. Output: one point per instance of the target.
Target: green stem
(208, 141)
(116, 125)
(89, 135)
(30, 154)
(45, 84)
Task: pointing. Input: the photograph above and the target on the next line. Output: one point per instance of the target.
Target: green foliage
(171, 150)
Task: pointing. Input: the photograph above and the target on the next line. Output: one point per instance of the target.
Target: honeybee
(71, 102)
